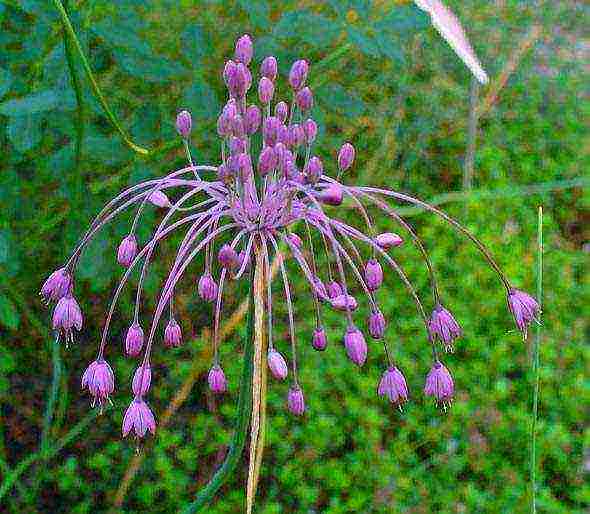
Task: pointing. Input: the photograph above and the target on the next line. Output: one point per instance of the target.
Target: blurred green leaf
(9, 315)
(24, 132)
(41, 101)
(5, 81)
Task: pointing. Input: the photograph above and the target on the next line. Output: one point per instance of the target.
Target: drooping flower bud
(310, 128)
(443, 326)
(356, 347)
(270, 129)
(314, 169)
(373, 275)
(207, 288)
(284, 135)
(57, 285)
(134, 340)
(304, 99)
(252, 119)
(524, 308)
(238, 126)
(244, 50)
(298, 74)
(345, 156)
(439, 384)
(281, 111)
(295, 401)
(377, 324)
(67, 316)
(139, 418)
(172, 334)
(341, 302)
(227, 257)
(296, 135)
(159, 199)
(332, 195)
(334, 289)
(266, 90)
(216, 379)
(393, 386)
(236, 146)
(127, 250)
(245, 166)
(267, 161)
(99, 380)
(269, 67)
(320, 289)
(319, 340)
(388, 240)
(184, 124)
(229, 71)
(277, 365)
(142, 379)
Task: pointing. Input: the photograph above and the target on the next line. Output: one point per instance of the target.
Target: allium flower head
(524, 308)
(172, 334)
(127, 250)
(444, 327)
(57, 285)
(393, 386)
(216, 379)
(295, 401)
(139, 418)
(99, 380)
(439, 384)
(355, 345)
(67, 316)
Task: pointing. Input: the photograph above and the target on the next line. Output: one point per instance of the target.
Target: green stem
(243, 418)
(48, 417)
(536, 361)
(94, 84)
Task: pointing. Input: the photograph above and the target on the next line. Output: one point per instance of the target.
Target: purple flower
(373, 274)
(346, 156)
(310, 129)
(320, 289)
(393, 385)
(266, 90)
(443, 326)
(216, 379)
(296, 135)
(355, 345)
(172, 334)
(142, 379)
(342, 302)
(139, 418)
(269, 67)
(277, 365)
(252, 120)
(227, 257)
(99, 380)
(295, 240)
(184, 124)
(332, 195)
(159, 199)
(377, 324)
(244, 50)
(57, 285)
(236, 146)
(524, 308)
(134, 340)
(304, 99)
(127, 250)
(270, 130)
(298, 74)
(295, 401)
(439, 384)
(319, 340)
(267, 161)
(388, 240)
(207, 287)
(66, 317)
(314, 169)
(281, 111)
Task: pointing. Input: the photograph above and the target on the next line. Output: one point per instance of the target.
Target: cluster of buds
(255, 200)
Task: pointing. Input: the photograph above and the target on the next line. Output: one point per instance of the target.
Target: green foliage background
(402, 97)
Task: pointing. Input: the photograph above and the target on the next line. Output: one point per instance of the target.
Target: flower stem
(243, 417)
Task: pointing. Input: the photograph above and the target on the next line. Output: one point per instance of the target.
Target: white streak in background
(449, 27)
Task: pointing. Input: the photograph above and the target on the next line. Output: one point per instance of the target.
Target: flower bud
(270, 129)
(319, 340)
(443, 326)
(267, 161)
(310, 128)
(207, 288)
(236, 146)
(283, 134)
(159, 199)
(296, 135)
(229, 71)
(373, 275)
(227, 257)
(127, 251)
(266, 90)
(345, 156)
(524, 308)
(216, 379)
(332, 195)
(304, 99)
(269, 67)
(295, 240)
(244, 50)
(142, 380)
(184, 123)
(277, 365)
(356, 347)
(377, 324)
(57, 285)
(134, 340)
(334, 289)
(298, 74)
(295, 401)
(245, 166)
(67, 316)
(314, 169)
(172, 334)
(281, 111)
(139, 418)
(340, 303)
(388, 240)
(99, 380)
(224, 125)
(238, 126)
(393, 386)
(252, 119)
(439, 384)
